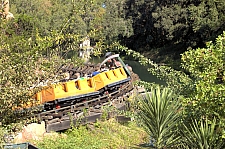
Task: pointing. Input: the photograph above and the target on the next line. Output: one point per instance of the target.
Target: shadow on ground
(142, 146)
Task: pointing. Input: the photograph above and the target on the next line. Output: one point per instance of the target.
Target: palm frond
(159, 115)
(202, 135)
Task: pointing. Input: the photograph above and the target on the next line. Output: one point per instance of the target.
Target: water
(143, 72)
(137, 68)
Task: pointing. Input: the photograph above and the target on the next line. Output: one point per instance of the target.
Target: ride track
(60, 119)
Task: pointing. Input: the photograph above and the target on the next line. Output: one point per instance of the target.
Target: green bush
(206, 68)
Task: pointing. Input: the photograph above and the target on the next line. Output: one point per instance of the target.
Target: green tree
(103, 21)
(173, 26)
(115, 23)
(48, 14)
(206, 20)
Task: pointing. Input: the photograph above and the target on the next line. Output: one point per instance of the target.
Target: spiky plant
(202, 135)
(159, 115)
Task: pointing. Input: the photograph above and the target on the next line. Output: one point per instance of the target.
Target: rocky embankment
(34, 132)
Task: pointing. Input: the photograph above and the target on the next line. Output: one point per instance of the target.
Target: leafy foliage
(99, 19)
(159, 115)
(206, 66)
(173, 26)
(140, 25)
(202, 87)
(49, 15)
(115, 24)
(179, 81)
(26, 61)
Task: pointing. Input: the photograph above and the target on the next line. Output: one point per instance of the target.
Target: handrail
(121, 61)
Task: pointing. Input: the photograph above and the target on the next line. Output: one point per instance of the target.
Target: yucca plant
(202, 135)
(159, 115)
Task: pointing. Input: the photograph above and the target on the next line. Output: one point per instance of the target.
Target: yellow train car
(71, 92)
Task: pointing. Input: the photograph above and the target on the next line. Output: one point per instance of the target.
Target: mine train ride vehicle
(71, 92)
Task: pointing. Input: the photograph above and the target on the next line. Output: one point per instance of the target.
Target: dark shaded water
(138, 69)
(143, 72)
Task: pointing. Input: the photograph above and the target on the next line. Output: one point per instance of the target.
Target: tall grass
(101, 135)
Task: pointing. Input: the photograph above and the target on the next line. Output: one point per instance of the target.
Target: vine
(181, 83)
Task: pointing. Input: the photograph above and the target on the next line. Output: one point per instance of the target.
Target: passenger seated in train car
(66, 77)
(97, 71)
(83, 76)
(112, 63)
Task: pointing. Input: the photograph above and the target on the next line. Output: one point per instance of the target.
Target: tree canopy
(178, 25)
